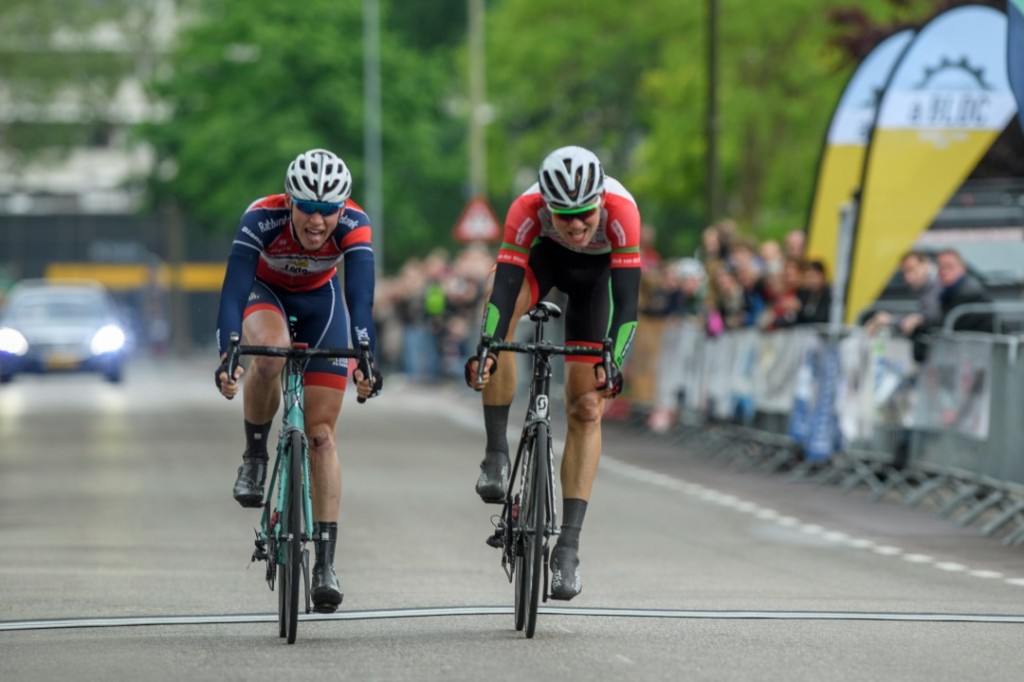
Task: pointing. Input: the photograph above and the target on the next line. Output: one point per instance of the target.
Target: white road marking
(474, 422)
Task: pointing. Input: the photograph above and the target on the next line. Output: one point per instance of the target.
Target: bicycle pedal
(496, 540)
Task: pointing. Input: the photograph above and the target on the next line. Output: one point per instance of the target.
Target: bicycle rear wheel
(293, 538)
(532, 516)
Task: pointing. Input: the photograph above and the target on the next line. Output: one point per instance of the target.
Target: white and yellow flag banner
(842, 158)
(947, 101)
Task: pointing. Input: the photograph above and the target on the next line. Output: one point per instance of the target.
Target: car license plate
(61, 362)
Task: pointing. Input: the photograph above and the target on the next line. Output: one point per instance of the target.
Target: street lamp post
(372, 126)
(711, 131)
(477, 90)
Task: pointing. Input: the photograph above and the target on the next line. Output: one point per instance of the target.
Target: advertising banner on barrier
(877, 386)
(947, 101)
(955, 388)
(778, 362)
(842, 158)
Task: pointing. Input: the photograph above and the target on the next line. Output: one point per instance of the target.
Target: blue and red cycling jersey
(265, 250)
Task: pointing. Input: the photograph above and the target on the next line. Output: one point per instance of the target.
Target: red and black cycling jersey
(265, 248)
(533, 249)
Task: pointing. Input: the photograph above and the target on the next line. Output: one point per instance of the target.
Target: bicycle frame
(293, 419)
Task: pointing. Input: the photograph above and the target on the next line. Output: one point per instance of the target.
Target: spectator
(794, 243)
(725, 299)
(920, 274)
(710, 249)
(785, 296)
(772, 258)
(815, 294)
(959, 287)
(753, 285)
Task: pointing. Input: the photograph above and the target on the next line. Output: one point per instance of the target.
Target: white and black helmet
(318, 175)
(571, 178)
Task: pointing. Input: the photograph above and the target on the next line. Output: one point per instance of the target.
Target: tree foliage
(634, 86)
(252, 84)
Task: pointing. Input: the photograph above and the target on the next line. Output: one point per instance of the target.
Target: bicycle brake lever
(365, 365)
(481, 359)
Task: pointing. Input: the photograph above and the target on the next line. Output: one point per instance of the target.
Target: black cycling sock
(256, 438)
(496, 425)
(573, 511)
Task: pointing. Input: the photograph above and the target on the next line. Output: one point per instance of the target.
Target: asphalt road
(123, 557)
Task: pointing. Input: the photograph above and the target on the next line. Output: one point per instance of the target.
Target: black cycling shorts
(585, 279)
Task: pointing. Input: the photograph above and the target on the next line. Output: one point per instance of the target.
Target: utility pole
(711, 131)
(371, 127)
(477, 94)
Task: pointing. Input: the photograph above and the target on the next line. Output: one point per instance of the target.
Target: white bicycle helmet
(571, 179)
(318, 175)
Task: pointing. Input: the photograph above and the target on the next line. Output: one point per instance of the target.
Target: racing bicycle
(287, 521)
(528, 519)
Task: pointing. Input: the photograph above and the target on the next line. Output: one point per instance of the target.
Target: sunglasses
(324, 208)
(569, 216)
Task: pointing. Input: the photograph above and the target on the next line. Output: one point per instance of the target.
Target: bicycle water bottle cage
(544, 311)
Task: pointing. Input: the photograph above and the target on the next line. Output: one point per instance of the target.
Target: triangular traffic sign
(477, 223)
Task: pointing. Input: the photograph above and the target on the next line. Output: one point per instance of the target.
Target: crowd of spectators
(733, 282)
(429, 313)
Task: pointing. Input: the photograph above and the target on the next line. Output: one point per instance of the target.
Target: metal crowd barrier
(852, 410)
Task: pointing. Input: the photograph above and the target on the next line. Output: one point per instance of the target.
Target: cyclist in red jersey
(578, 231)
(283, 264)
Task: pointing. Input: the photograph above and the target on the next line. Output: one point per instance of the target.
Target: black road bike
(528, 519)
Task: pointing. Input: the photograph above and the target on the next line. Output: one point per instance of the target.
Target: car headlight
(11, 341)
(107, 340)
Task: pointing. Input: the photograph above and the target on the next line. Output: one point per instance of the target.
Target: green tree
(249, 85)
(633, 86)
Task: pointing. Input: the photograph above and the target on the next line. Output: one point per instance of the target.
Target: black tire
(520, 573)
(536, 521)
(293, 534)
(520, 567)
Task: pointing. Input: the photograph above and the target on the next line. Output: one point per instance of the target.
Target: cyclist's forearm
(508, 279)
(625, 297)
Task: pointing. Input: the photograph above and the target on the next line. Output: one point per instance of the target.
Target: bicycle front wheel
(291, 570)
(533, 520)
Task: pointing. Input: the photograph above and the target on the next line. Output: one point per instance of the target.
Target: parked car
(61, 326)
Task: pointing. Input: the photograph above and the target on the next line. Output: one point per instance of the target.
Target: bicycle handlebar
(362, 354)
(488, 344)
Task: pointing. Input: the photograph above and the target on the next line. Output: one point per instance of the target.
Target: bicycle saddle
(545, 310)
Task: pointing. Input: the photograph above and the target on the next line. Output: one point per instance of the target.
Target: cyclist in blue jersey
(283, 264)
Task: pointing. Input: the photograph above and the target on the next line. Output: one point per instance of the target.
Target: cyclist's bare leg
(261, 395)
(261, 390)
(584, 408)
(497, 397)
(323, 405)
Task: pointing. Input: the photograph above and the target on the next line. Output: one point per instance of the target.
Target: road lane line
(434, 612)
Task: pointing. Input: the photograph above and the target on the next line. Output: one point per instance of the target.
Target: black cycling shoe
(251, 477)
(494, 471)
(565, 573)
(326, 592)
